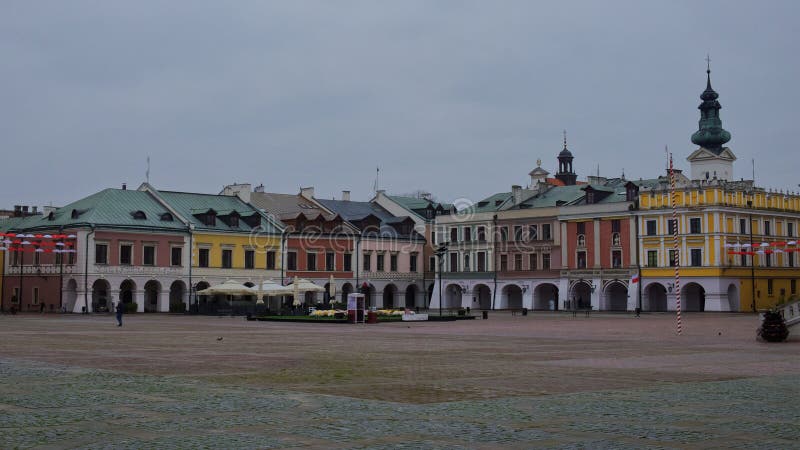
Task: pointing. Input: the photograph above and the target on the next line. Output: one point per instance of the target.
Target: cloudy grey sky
(456, 97)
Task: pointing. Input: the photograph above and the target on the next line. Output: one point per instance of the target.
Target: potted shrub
(773, 327)
(131, 307)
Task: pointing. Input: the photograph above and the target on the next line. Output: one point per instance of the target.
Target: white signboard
(411, 317)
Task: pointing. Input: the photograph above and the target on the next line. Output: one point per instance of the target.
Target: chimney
(425, 195)
(241, 190)
(516, 192)
(259, 188)
(124, 187)
(17, 210)
(307, 192)
(346, 196)
(25, 210)
(34, 209)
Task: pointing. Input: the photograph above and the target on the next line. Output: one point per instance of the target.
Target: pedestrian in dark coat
(120, 311)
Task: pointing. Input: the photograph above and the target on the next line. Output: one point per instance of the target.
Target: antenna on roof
(147, 172)
(376, 185)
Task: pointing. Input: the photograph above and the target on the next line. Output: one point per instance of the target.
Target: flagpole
(675, 242)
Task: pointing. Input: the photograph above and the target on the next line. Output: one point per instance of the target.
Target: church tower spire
(565, 173)
(712, 160)
(710, 134)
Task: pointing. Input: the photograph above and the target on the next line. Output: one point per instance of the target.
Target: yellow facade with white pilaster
(713, 276)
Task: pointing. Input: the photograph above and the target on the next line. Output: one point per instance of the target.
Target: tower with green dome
(712, 160)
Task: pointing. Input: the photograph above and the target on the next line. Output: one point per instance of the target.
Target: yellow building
(735, 241)
(735, 245)
(230, 239)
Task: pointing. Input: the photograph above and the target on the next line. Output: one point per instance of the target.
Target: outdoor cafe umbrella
(301, 285)
(229, 287)
(270, 288)
(273, 289)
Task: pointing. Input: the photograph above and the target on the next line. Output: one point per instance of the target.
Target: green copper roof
(188, 204)
(710, 134)
(109, 207)
(488, 204)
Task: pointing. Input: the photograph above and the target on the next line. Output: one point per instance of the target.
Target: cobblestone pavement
(48, 406)
(165, 382)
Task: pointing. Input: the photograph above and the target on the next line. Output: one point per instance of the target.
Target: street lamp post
(752, 258)
(440, 253)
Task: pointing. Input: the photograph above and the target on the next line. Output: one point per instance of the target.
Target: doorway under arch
(347, 289)
(100, 295)
(693, 297)
(545, 297)
(483, 296)
(369, 295)
(389, 292)
(616, 297)
(127, 290)
(152, 290)
(411, 296)
(452, 297)
(177, 292)
(655, 298)
(511, 298)
(581, 295)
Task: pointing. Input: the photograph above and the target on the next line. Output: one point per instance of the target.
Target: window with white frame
(125, 254)
(100, 253)
(696, 256)
(149, 255)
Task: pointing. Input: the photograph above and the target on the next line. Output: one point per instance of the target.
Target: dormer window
(589, 197)
(139, 215)
(167, 217)
(233, 220)
(206, 217)
(631, 192)
(76, 213)
(51, 216)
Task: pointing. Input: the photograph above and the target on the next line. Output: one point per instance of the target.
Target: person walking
(120, 311)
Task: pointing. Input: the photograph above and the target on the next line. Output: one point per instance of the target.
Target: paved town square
(541, 380)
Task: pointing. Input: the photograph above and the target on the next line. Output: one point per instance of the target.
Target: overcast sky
(456, 98)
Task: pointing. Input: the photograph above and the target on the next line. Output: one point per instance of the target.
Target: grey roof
(353, 211)
(286, 206)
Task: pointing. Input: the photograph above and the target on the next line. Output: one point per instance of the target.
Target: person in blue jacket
(120, 311)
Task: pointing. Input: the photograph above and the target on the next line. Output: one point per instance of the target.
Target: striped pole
(675, 243)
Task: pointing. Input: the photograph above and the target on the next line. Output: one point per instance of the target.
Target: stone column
(163, 301)
(139, 299)
(527, 298)
(595, 296)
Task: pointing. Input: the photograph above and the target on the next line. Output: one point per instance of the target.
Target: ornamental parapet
(40, 270)
(598, 273)
(140, 270)
(392, 275)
